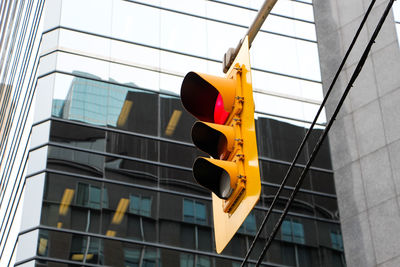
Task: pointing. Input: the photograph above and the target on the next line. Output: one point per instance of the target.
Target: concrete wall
(365, 139)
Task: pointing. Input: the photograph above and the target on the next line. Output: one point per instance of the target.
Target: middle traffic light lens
(220, 115)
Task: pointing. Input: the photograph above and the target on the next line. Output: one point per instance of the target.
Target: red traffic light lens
(220, 115)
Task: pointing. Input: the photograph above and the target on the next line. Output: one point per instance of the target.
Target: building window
(80, 251)
(186, 260)
(90, 196)
(194, 211)
(139, 257)
(292, 231)
(43, 245)
(189, 260)
(249, 225)
(203, 261)
(140, 205)
(336, 239)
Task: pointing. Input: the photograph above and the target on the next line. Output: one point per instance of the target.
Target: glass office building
(108, 179)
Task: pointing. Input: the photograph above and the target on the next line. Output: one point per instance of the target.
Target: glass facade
(110, 155)
(121, 192)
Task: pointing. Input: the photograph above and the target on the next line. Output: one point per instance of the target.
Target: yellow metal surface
(234, 200)
(226, 224)
(229, 138)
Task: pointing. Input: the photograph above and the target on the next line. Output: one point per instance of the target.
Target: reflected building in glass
(108, 179)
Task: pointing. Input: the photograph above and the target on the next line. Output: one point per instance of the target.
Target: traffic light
(226, 132)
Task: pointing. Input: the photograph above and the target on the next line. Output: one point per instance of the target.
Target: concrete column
(365, 139)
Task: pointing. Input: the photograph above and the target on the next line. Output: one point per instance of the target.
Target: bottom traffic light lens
(225, 185)
(219, 176)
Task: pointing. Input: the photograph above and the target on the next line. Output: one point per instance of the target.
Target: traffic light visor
(199, 94)
(216, 175)
(214, 139)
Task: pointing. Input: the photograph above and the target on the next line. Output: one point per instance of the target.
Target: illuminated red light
(220, 115)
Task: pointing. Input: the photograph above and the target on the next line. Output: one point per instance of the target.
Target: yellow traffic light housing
(226, 131)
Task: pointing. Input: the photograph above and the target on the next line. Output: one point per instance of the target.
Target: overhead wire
(308, 134)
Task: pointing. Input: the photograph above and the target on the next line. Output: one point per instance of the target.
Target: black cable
(325, 132)
(309, 131)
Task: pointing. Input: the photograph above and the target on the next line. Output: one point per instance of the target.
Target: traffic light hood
(214, 139)
(219, 176)
(199, 94)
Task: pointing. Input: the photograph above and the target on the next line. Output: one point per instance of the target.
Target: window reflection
(292, 231)
(133, 55)
(336, 239)
(323, 159)
(143, 27)
(132, 146)
(131, 213)
(284, 56)
(278, 140)
(323, 182)
(194, 211)
(85, 101)
(81, 43)
(177, 154)
(72, 203)
(77, 136)
(86, 249)
(70, 160)
(295, 9)
(134, 75)
(181, 64)
(216, 45)
(192, 7)
(88, 195)
(275, 172)
(145, 257)
(173, 23)
(43, 248)
(186, 260)
(92, 15)
(140, 205)
(175, 121)
(294, 255)
(249, 225)
(285, 85)
(190, 260)
(181, 181)
(106, 104)
(295, 28)
(130, 171)
(187, 225)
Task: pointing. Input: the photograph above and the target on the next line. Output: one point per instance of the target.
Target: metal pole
(259, 20)
(262, 14)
